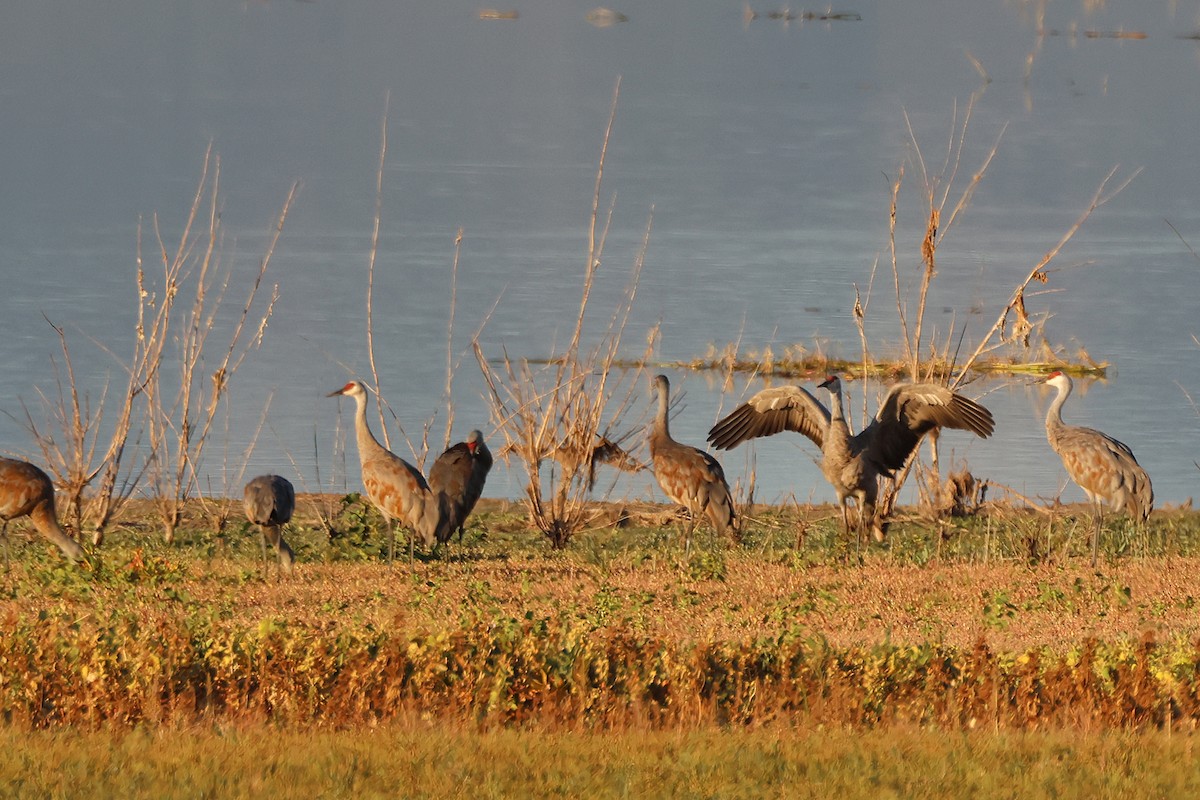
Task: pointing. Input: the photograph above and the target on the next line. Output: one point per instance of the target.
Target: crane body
(269, 501)
(687, 475)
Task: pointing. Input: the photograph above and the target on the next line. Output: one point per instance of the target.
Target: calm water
(765, 151)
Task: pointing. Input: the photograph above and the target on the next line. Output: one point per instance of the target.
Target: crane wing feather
(908, 412)
(781, 408)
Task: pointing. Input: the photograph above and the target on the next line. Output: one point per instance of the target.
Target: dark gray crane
(269, 501)
(460, 473)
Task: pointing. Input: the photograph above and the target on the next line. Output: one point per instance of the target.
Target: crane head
(832, 382)
(1058, 379)
(351, 389)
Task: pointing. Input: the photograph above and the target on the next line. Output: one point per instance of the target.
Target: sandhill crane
(687, 475)
(459, 473)
(1103, 467)
(27, 491)
(854, 463)
(269, 501)
(394, 486)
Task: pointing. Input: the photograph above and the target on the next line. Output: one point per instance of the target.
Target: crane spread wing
(781, 408)
(908, 412)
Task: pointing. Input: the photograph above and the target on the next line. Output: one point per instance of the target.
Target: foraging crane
(269, 501)
(394, 486)
(1103, 467)
(459, 474)
(687, 475)
(26, 491)
(854, 463)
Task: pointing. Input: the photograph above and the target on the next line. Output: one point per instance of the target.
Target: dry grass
(423, 760)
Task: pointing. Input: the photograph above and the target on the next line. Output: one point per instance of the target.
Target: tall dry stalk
(214, 504)
(69, 434)
(922, 358)
(371, 254)
(554, 417)
(69, 437)
(181, 410)
(926, 357)
(998, 335)
(420, 453)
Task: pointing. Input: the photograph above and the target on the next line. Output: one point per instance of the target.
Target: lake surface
(763, 150)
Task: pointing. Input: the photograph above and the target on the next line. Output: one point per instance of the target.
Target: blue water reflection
(763, 152)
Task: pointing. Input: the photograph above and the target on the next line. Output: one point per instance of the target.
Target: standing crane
(689, 476)
(269, 501)
(1103, 467)
(853, 464)
(395, 487)
(459, 474)
(26, 491)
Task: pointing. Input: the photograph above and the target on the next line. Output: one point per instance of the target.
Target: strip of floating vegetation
(1094, 34)
(57, 669)
(797, 362)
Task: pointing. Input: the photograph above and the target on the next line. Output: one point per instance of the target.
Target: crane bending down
(1103, 467)
(394, 486)
(269, 501)
(689, 476)
(854, 463)
(26, 491)
(460, 473)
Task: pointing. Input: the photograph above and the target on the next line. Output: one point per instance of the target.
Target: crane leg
(4, 533)
(1098, 523)
(262, 540)
(287, 558)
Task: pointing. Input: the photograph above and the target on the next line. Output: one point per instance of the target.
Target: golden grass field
(981, 655)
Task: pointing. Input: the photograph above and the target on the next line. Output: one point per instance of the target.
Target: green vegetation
(991, 621)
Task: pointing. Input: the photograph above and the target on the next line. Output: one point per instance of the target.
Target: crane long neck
(368, 445)
(835, 396)
(661, 423)
(1054, 420)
